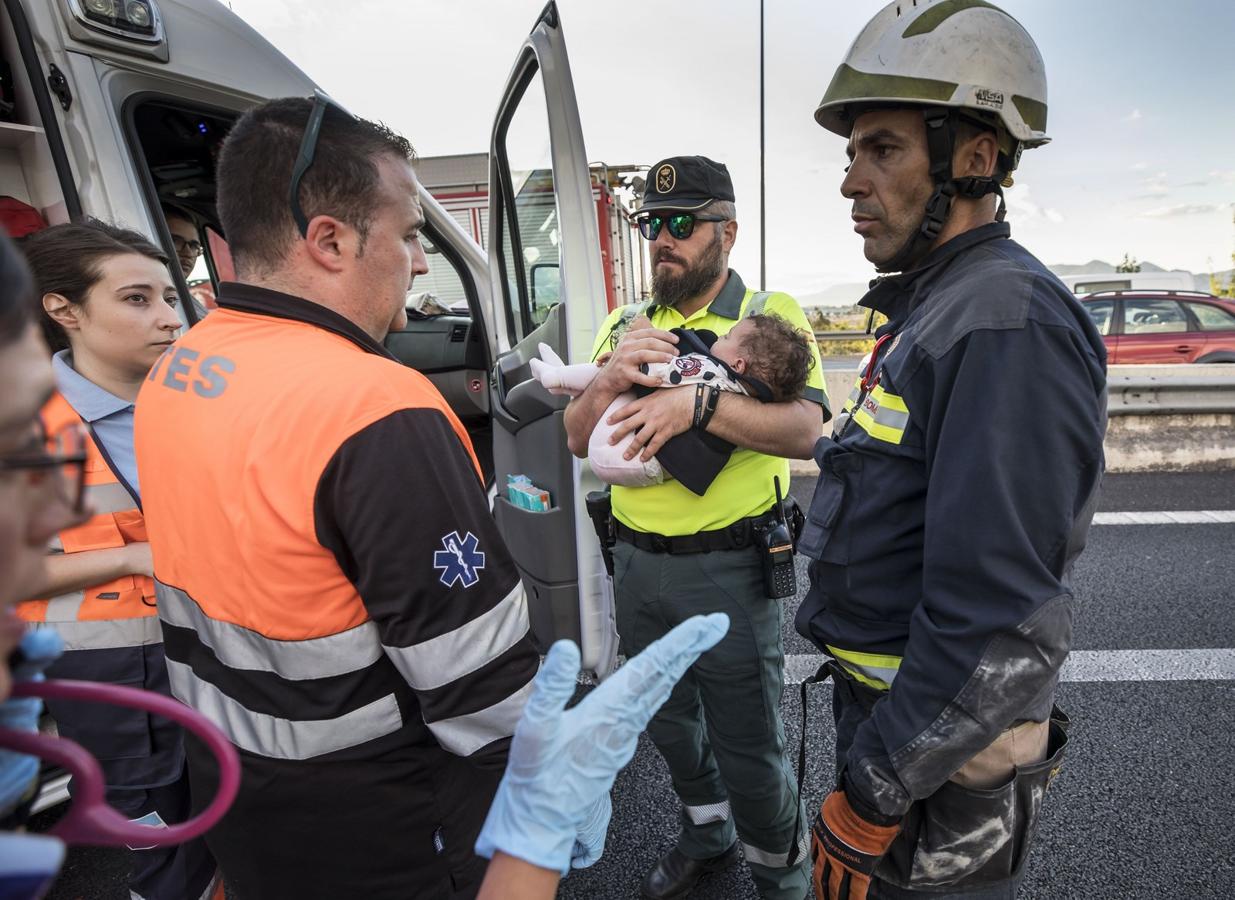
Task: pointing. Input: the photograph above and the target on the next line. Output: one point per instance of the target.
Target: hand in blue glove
(552, 807)
(38, 649)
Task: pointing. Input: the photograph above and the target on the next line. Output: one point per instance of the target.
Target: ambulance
(116, 109)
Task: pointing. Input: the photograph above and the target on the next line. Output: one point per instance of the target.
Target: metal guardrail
(1134, 394)
(842, 335)
(1148, 390)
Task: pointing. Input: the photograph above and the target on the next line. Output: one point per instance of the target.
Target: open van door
(548, 287)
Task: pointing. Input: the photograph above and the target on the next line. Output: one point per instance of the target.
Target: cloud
(1186, 209)
(1026, 210)
(1139, 167)
(1134, 116)
(1154, 187)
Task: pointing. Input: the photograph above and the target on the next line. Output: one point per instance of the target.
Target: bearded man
(679, 554)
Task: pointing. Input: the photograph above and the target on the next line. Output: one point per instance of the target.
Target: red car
(1163, 326)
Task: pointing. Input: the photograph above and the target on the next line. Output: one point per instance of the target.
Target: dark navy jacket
(950, 506)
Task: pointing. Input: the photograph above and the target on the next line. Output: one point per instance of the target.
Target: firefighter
(679, 553)
(333, 592)
(949, 510)
(107, 306)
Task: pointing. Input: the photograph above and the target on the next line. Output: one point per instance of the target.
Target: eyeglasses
(62, 458)
(182, 245)
(308, 149)
(681, 225)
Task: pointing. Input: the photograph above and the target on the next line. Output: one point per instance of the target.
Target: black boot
(676, 875)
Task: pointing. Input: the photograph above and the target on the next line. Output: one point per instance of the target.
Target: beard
(670, 290)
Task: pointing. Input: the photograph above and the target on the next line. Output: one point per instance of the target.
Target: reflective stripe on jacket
(117, 613)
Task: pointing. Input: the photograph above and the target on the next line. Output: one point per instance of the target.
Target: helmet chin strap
(941, 126)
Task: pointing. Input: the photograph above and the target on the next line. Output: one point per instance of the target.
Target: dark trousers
(185, 872)
(720, 731)
(1003, 890)
(142, 761)
(949, 835)
(387, 828)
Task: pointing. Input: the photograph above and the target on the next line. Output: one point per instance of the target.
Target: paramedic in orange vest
(333, 591)
(107, 305)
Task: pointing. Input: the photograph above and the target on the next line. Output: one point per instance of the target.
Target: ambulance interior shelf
(27, 172)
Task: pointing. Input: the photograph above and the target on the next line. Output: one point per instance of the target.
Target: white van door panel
(106, 176)
(548, 285)
(203, 41)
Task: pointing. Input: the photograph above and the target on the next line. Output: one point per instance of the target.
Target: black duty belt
(738, 536)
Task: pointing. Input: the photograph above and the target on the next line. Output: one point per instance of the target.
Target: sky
(1140, 110)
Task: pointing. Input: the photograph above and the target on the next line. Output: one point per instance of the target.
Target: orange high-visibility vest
(253, 407)
(117, 613)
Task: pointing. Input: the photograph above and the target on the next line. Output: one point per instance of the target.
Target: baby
(763, 356)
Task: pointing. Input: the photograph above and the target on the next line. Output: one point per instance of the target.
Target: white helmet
(956, 60)
(965, 54)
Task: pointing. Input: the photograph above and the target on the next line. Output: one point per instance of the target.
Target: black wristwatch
(706, 398)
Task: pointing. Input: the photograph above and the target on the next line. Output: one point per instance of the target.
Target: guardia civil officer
(679, 553)
(949, 511)
(333, 592)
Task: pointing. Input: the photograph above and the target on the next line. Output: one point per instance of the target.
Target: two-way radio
(776, 550)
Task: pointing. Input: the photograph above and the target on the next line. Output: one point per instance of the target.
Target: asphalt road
(1144, 805)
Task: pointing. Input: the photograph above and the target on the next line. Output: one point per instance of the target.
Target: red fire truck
(461, 184)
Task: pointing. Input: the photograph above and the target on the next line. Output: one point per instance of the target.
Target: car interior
(1154, 317)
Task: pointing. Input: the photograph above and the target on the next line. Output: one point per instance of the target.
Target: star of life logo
(461, 560)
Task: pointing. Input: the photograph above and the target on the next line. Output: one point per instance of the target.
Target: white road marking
(1099, 665)
(1182, 517)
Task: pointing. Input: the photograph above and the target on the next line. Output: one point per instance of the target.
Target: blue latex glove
(38, 649)
(552, 807)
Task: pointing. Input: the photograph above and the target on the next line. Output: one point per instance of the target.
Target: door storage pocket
(964, 837)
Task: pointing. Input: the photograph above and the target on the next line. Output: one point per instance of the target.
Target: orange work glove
(846, 848)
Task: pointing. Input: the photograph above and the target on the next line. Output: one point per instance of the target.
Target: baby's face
(730, 350)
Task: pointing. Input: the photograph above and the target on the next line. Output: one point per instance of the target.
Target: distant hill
(838, 295)
(1097, 266)
(1200, 281)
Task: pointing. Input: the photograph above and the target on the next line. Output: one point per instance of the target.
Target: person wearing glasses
(184, 238)
(721, 732)
(39, 493)
(107, 307)
(333, 590)
(38, 498)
